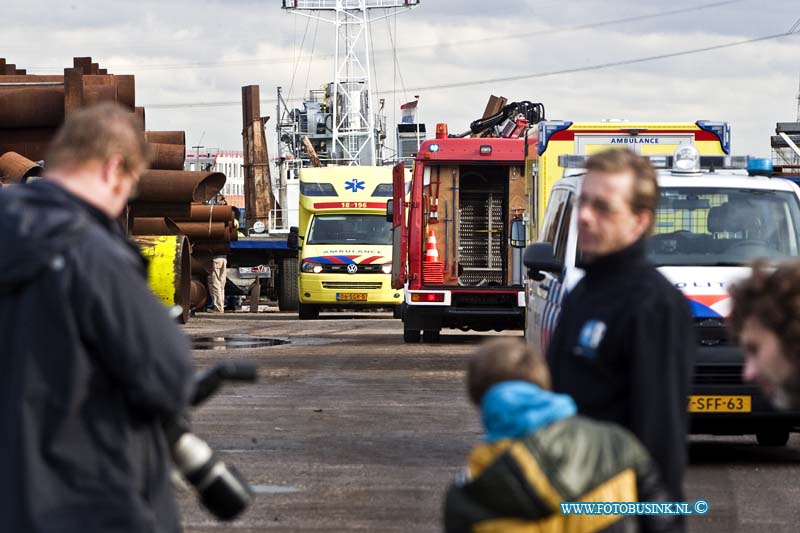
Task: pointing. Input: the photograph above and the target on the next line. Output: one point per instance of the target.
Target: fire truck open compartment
(472, 220)
(481, 233)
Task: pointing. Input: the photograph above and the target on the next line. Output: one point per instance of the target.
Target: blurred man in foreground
(91, 362)
(623, 344)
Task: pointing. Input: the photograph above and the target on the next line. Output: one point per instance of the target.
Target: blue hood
(513, 409)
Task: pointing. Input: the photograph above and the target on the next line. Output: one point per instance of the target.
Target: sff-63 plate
(719, 404)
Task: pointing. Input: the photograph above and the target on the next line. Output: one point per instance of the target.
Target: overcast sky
(202, 52)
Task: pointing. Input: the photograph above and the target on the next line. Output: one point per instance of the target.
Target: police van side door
(543, 298)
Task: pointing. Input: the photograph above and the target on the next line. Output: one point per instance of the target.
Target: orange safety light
(441, 130)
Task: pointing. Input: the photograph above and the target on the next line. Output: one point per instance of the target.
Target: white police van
(713, 219)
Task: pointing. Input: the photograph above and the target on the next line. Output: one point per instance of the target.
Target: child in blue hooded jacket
(538, 453)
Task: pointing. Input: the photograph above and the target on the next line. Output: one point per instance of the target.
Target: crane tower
(353, 125)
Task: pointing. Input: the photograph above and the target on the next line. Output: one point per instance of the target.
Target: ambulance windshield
(350, 229)
(723, 226)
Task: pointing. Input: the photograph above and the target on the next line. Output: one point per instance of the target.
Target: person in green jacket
(539, 453)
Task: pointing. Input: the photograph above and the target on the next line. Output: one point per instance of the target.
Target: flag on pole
(409, 112)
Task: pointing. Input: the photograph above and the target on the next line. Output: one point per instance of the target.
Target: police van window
(723, 226)
(563, 232)
(552, 215)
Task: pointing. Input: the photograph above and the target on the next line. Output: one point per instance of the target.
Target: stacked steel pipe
(172, 202)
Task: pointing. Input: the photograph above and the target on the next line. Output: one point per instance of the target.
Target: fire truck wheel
(430, 335)
(410, 335)
(308, 311)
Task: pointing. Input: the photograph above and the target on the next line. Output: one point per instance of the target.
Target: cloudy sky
(191, 58)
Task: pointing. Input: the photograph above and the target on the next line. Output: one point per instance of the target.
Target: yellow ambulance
(550, 139)
(345, 256)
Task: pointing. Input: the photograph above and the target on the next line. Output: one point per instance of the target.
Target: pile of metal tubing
(170, 219)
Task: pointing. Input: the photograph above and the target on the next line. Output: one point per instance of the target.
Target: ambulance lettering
(636, 140)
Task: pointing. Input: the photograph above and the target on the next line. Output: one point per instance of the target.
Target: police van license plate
(351, 296)
(719, 404)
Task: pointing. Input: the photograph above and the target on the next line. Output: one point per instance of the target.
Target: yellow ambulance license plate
(351, 296)
(719, 404)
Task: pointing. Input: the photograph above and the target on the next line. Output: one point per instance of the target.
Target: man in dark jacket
(91, 362)
(539, 454)
(624, 342)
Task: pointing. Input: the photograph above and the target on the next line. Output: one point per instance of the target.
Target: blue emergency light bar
(546, 129)
(722, 130)
(760, 167)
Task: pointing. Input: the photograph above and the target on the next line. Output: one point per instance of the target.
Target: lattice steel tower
(354, 130)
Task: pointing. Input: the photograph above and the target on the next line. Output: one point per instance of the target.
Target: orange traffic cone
(431, 253)
(432, 269)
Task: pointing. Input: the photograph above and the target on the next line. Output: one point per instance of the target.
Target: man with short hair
(624, 342)
(91, 362)
(538, 454)
(766, 319)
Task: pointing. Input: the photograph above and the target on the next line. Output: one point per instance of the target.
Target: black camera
(220, 487)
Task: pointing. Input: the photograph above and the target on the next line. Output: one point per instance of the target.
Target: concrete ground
(350, 429)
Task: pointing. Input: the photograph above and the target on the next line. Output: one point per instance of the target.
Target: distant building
(230, 163)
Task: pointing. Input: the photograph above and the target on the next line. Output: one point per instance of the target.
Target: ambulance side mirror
(540, 257)
(389, 210)
(293, 240)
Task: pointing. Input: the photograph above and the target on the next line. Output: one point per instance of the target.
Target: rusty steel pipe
(18, 169)
(26, 84)
(27, 142)
(198, 296)
(210, 248)
(199, 268)
(207, 213)
(167, 156)
(204, 231)
(96, 88)
(166, 137)
(99, 93)
(139, 112)
(154, 226)
(82, 63)
(126, 90)
(32, 78)
(32, 107)
(179, 186)
(171, 210)
(73, 90)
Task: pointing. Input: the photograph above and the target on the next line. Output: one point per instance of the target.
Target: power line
(299, 53)
(599, 66)
(311, 59)
(394, 50)
(394, 55)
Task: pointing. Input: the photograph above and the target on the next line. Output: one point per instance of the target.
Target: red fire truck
(459, 235)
